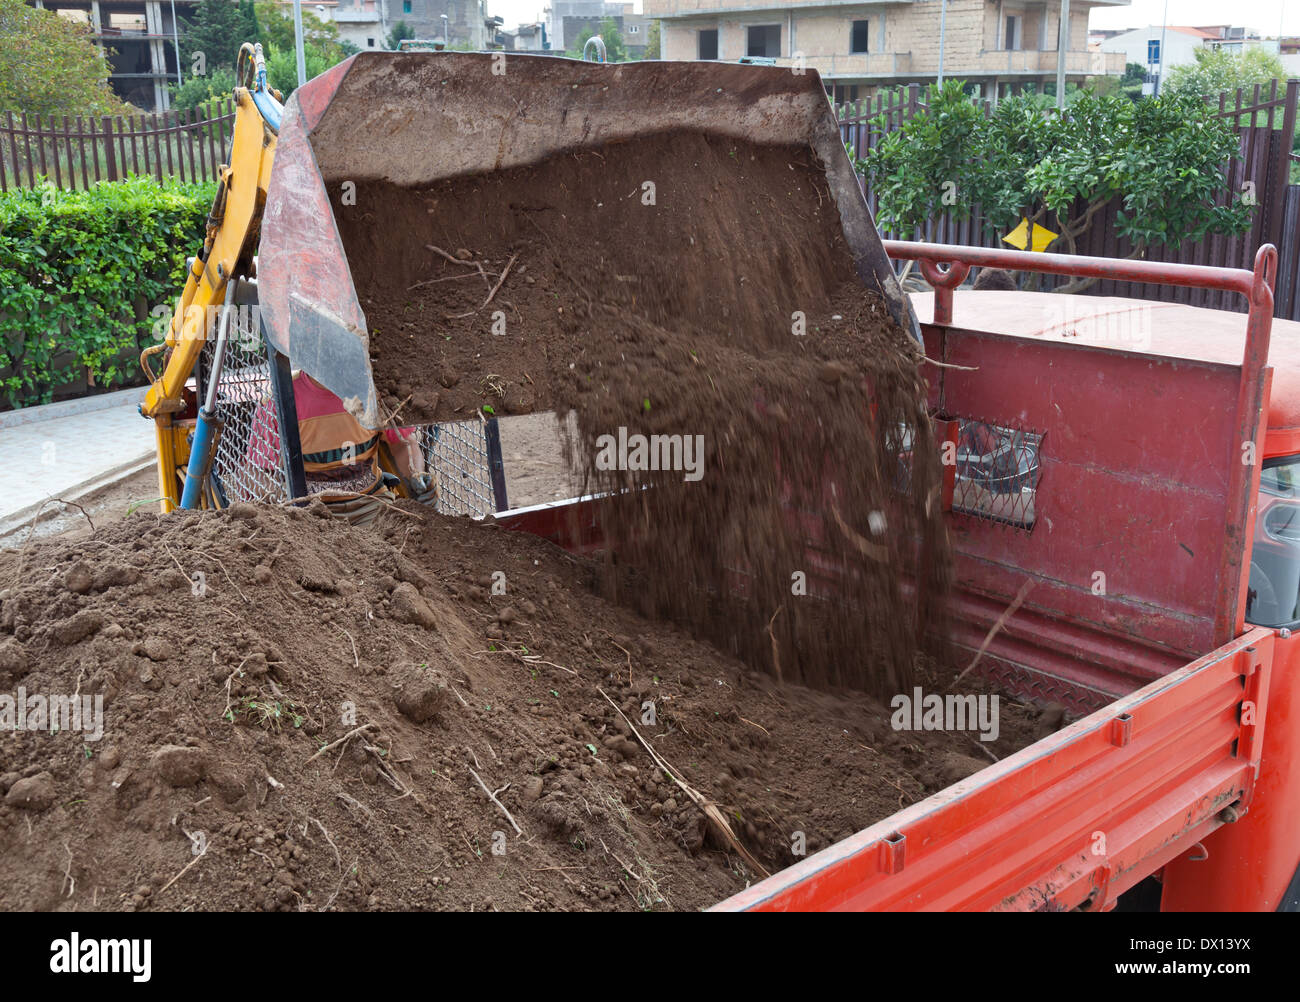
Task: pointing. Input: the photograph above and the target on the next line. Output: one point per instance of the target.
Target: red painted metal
(1248, 864)
(1121, 493)
(1069, 822)
(1076, 265)
(1141, 471)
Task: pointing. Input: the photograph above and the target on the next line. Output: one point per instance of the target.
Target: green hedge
(84, 278)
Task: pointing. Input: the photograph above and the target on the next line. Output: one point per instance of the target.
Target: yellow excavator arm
(227, 255)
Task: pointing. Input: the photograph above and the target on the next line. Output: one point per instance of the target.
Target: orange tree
(1154, 167)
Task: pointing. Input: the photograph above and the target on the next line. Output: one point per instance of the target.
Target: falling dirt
(292, 708)
(695, 292)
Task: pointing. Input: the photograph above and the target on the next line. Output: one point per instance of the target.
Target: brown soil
(729, 310)
(217, 704)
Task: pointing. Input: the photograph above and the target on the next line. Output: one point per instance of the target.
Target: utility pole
(297, 41)
(1062, 49)
(176, 42)
(943, 17)
(1160, 73)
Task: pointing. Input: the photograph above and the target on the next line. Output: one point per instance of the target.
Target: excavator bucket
(417, 118)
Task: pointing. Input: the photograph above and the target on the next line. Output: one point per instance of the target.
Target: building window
(634, 29)
(1011, 40)
(860, 37)
(763, 40)
(370, 43)
(406, 6)
(708, 42)
(126, 22)
(1153, 52)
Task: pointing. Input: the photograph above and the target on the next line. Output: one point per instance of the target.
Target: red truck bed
(1139, 479)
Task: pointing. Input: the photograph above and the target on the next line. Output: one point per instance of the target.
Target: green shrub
(85, 277)
(200, 92)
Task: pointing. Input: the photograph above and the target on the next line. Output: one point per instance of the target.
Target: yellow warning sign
(1020, 237)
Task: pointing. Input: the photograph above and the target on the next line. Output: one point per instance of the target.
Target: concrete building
(562, 10)
(142, 39)
(1229, 37)
(997, 45)
(366, 23)
(528, 38)
(1143, 45)
(634, 28)
(1180, 44)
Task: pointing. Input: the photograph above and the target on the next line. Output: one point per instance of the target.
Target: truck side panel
(1069, 822)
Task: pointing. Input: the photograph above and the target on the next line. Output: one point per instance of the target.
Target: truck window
(1273, 595)
(997, 472)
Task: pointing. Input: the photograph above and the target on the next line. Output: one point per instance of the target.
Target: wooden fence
(1265, 122)
(77, 152)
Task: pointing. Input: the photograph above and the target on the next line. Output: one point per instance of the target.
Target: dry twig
(492, 797)
(709, 808)
(1007, 613)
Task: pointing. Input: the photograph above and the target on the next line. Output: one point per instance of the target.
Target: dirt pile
(691, 297)
(298, 714)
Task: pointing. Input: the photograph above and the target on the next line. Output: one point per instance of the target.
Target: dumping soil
(303, 715)
(695, 294)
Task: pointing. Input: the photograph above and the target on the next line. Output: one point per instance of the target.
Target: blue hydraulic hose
(200, 459)
(196, 473)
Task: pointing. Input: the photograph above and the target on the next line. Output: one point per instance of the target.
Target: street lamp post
(943, 17)
(1160, 73)
(297, 42)
(1062, 47)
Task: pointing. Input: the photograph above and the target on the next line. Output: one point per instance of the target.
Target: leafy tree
(275, 30)
(652, 42)
(1217, 71)
(282, 66)
(196, 92)
(50, 65)
(211, 38)
(1134, 73)
(615, 50)
(322, 47)
(401, 30)
(1156, 166)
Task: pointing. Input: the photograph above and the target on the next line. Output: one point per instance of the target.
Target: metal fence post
(110, 157)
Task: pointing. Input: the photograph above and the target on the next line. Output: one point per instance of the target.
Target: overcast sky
(523, 11)
(1263, 15)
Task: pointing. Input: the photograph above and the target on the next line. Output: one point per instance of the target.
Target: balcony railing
(688, 8)
(873, 64)
(1040, 61)
(901, 64)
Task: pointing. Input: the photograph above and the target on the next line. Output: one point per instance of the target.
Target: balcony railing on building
(865, 64)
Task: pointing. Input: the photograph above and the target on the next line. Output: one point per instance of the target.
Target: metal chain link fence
(458, 453)
(248, 463)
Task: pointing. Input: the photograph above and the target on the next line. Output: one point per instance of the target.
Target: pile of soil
(292, 708)
(697, 286)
